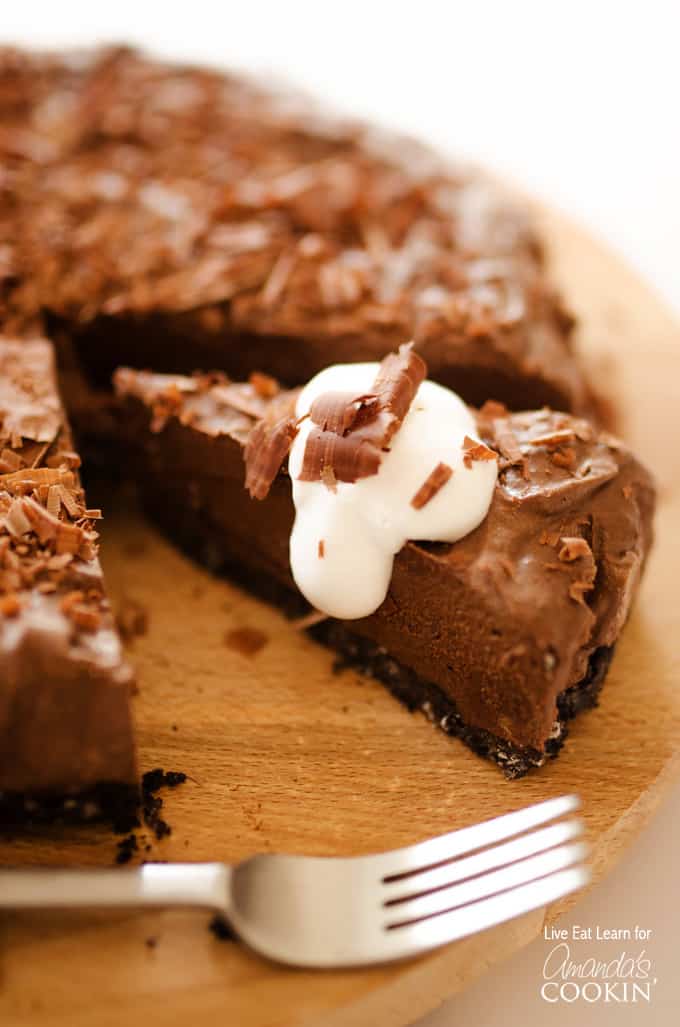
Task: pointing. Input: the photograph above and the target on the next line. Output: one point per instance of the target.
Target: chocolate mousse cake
(500, 637)
(178, 218)
(66, 742)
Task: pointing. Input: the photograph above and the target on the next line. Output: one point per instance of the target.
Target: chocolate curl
(476, 451)
(396, 384)
(351, 432)
(343, 412)
(345, 456)
(267, 447)
(431, 486)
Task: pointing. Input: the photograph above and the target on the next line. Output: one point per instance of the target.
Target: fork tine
(404, 888)
(426, 934)
(423, 855)
(486, 885)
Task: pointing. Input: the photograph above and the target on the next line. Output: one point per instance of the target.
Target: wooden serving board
(283, 755)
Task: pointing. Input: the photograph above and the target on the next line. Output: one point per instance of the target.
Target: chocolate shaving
(331, 458)
(44, 524)
(509, 446)
(166, 405)
(321, 549)
(57, 563)
(80, 609)
(431, 486)
(396, 384)
(351, 432)
(573, 549)
(554, 439)
(9, 460)
(492, 410)
(564, 457)
(475, 451)
(343, 412)
(16, 521)
(10, 605)
(53, 500)
(67, 538)
(39, 453)
(66, 458)
(67, 497)
(264, 385)
(85, 617)
(70, 600)
(267, 447)
(31, 477)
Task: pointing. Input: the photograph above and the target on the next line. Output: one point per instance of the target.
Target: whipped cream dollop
(345, 537)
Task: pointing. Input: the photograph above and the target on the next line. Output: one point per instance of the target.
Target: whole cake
(179, 219)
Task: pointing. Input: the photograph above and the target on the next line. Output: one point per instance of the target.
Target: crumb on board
(151, 806)
(245, 640)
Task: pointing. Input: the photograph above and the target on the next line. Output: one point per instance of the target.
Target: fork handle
(154, 884)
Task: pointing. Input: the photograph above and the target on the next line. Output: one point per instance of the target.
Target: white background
(576, 101)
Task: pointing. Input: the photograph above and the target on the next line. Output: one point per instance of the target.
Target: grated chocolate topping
(131, 186)
(48, 541)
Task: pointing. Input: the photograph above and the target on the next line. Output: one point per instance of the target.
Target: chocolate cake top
(131, 186)
(51, 585)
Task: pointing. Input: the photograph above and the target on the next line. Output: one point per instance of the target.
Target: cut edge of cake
(67, 749)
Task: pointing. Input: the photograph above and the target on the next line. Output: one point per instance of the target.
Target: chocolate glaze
(178, 218)
(501, 623)
(65, 726)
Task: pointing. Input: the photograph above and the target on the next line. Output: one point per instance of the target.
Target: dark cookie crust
(416, 694)
(113, 803)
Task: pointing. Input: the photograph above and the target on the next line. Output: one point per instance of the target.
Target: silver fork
(328, 912)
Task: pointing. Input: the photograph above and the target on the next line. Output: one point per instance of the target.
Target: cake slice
(181, 219)
(500, 637)
(66, 743)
